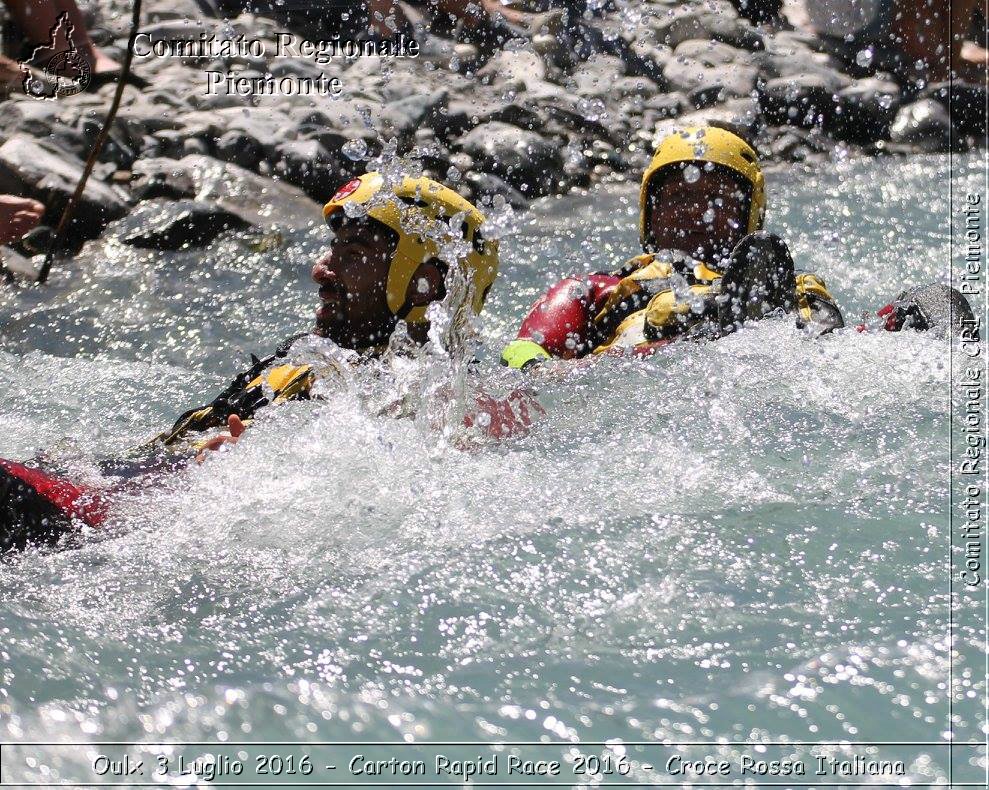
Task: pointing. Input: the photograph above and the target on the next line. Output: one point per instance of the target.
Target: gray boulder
(526, 160)
(309, 166)
(804, 101)
(789, 56)
(461, 115)
(565, 115)
(719, 22)
(257, 200)
(161, 178)
(239, 148)
(789, 144)
(667, 105)
(257, 127)
(484, 187)
(596, 77)
(169, 143)
(923, 125)
(865, 111)
(718, 82)
(46, 121)
(166, 225)
(711, 67)
(524, 67)
(722, 26)
(32, 169)
(742, 114)
(624, 87)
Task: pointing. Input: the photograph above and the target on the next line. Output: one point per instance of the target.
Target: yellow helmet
(707, 144)
(413, 209)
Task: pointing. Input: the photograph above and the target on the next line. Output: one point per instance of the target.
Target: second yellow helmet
(707, 144)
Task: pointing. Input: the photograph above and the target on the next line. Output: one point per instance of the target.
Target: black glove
(758, 280)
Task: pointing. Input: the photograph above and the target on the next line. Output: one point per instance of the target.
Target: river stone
(15, 266)
(596, 76)
(925, 125)
(527, 161)
(257, 200)
(486, 186)
(710, 66)
(865, 111)
(32, 117)
(162, 178)
(461, 115)
(722, 25)
(623, 87)
(804, 101)
(710, 53)
(308, 165)
(160, 224)
(965, 103)
(195, 146)
(790, 57)
(667, 105)
(728, 81)
(147, 116)
(31, 169)
(568, 115)
(790, 144)
(524, 67)
(741, 114)
(239, 148)
(333, 140)
(676, 25)
(759, 11)
(267, 129)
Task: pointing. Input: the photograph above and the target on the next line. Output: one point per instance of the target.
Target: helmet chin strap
(436, 287)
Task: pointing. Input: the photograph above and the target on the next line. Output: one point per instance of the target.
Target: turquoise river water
(729, 543)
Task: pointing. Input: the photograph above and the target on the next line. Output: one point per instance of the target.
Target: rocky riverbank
(568, 102)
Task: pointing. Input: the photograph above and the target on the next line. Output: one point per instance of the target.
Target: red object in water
(512, 415)
(73, 500)
(561, 321)
(891, 323)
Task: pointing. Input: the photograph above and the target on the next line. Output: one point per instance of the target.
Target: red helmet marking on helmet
(347, 189)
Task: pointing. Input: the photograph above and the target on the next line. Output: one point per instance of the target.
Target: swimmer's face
(699, 209)
(352, 279)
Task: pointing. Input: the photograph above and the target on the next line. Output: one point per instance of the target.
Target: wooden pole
(97, 145)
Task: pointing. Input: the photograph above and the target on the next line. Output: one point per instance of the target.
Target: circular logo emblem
(347, 189)
(70, 71)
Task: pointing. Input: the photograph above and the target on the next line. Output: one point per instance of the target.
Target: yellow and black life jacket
(668, 294)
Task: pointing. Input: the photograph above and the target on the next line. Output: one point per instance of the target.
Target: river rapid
(737, 541)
